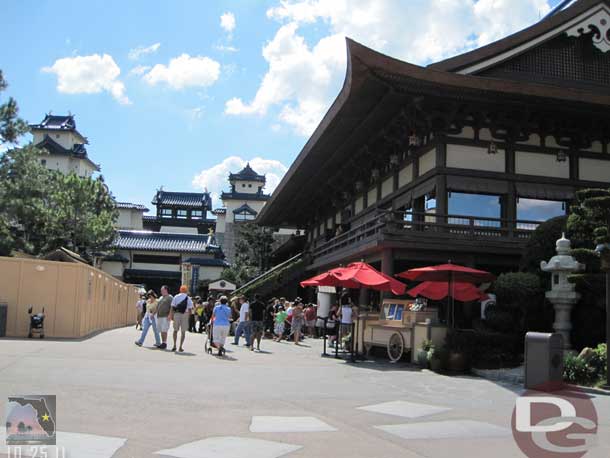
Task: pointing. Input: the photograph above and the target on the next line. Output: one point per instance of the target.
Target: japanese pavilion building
(65, 146)
(526, 118)
(156, 250)
(241, 204)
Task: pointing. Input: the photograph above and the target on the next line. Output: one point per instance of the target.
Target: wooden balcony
(425, 232)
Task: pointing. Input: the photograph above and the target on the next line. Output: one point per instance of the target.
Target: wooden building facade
(526, 117)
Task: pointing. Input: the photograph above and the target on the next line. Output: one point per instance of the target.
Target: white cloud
(139, 70)
(136, 53)
(185, 71)
(215, 178)
(226, 48)
(303, 78)
(89, 75)
(227, 22)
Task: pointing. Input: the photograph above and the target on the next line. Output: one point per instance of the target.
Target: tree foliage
(40, 209)
(253, 246)
(11, 126)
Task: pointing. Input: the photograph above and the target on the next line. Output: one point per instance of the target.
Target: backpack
(181, 307)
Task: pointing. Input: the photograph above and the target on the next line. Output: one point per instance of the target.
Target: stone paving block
(230, 447)
(405, 409)
(269, 424)
(450, 429)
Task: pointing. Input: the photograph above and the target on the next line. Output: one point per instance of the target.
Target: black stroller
(36, 323)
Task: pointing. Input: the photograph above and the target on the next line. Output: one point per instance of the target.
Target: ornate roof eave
(369, 91)
(468, 59)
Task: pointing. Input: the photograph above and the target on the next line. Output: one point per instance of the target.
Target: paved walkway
(117, 400)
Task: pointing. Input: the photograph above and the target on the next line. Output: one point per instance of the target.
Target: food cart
(401, 326)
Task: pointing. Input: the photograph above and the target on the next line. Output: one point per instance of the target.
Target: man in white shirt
(181, 309)
(244, 322)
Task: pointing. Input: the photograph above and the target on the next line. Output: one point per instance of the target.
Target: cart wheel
(42, 336)
(396, 347)
(29, 335)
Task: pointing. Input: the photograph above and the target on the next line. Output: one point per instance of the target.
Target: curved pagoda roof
(379, 90)
(247, 174)
(64, 123)
(183, 199)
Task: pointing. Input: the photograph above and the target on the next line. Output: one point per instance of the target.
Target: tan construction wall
(78, 299)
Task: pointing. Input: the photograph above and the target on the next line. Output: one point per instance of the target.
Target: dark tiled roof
(55, 122)
(245, 208)
(130, 206)
(183, 199)
(219, 211)
(163, 241)
(244, 196)
(78, 150)
(213, 262)
(247, 174)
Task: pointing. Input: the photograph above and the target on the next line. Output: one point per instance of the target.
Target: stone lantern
(562, 294)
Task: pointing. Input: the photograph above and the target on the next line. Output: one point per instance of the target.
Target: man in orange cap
(181, 309)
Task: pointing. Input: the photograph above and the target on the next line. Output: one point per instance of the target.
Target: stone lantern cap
(562, 261)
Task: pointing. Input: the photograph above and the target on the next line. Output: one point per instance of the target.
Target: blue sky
(203, 95)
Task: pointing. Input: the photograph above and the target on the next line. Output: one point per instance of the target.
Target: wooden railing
(397, 223)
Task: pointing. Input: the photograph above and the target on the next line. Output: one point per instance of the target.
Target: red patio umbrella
(357, 275)
(449, 273)
(446, 272)
(329, 278)
(463, 292)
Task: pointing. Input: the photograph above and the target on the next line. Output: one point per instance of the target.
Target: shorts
(346, 328)
(163, 323)
(279, 329)
(256, 327)
(219, 334)
(181, 322)
(310, 323)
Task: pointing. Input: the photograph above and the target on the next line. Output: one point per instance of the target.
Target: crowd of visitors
(278, 320)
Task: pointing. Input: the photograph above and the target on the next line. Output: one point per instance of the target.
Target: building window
(249, 185)
(43, 162)
(244, 216)
(166, 213)
(181, 214)
(196, 214)
(243, 185)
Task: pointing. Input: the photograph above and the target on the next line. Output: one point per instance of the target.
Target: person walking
(257, 316)
(310, 320)
(280, 320)
(332, 325)
(163, 309)
(182, 305)
(298, 320)
(150, 320)
(141, 310)
(346, 314)
(221, 317)
(244, 322)
(200, 314)
(192, 316)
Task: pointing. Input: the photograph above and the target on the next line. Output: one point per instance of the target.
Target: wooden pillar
(442, 198)
(509, 210)
(387, 267)
(364, 297)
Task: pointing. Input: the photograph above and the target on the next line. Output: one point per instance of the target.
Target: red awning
(357, 275)
(447, 272)
(463, 292)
